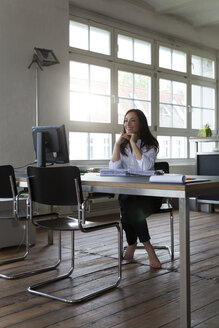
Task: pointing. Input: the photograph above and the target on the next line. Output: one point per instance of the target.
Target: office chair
(166, 207)
(61, 186)
(9, 192)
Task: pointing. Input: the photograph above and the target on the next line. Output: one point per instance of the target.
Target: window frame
(154, 71)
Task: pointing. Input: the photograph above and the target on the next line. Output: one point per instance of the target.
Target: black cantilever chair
(9, 192)
(166, 207)
(61, 186)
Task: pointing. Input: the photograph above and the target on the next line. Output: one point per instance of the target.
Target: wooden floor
(145, 298)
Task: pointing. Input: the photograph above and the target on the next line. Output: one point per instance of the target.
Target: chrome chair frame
(78, 224)
(16, 200)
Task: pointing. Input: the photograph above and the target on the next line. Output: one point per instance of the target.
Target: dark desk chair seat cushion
(61, 186)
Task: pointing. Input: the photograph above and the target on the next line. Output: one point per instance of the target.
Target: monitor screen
(50, 144)
(208, 164)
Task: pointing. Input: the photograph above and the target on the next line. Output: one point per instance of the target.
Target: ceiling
(195, 21)
(199, 13)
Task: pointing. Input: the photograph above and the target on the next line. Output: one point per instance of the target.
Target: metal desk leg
(185, 288)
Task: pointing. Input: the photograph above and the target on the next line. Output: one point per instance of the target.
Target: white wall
(25, 24)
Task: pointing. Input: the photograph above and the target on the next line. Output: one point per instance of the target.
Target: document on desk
(174, 178)
(126, 172)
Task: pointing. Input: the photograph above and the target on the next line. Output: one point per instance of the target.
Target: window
(203, 107)
(112, 71)
(89, 146)
(134, 49)
(85, 37)
(172, 59)
(172, 104)
(172, 147)
(134, 91)
(203, 67)
(90, 94)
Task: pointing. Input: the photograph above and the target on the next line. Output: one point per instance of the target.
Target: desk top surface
(141, 183)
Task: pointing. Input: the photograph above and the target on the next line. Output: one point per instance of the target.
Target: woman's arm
(145, 158)
(116, 151)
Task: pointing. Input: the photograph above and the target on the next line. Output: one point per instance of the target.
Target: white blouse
(130, 162)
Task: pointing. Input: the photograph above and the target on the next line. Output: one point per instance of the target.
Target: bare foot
(129, 253)
(153, 259)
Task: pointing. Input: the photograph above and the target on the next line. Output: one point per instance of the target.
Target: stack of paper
(124, 172)
(168, 178)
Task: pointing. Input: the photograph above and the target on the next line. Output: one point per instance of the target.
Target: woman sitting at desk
(136, 149)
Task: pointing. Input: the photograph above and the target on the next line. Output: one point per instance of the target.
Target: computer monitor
(208, 164)
(50, 144)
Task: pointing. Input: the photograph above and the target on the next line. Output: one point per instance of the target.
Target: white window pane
(79, 76)
(99, 108)
(125, 84)
(137, 88)
(179, 93)
(179, 147)
(164, 146)
(142, 52)
(88, 146)
(89, 108)
(208, 68)
(100, 80)
(196, 65)
(99, 40)
(196, 118)
(165, 91)
(125, 47)
(179, 117)
(79, 107)
(165, 116)
(78, 35)
(145, 107)
(123, 106)
(203, 67)
(208, 118)
(192, 149)
(78, 146)
(196, 96)
(165, 57)
(100, 145)
(172, 147)
(208, 97)
(179, 61)
(172, 107)
(142, 87)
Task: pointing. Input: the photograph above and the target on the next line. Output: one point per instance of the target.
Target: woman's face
(131, 123)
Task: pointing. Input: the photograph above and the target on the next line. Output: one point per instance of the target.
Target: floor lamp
(41, 57)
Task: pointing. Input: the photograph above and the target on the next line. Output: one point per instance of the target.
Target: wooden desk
(140, 186)
(93, 182)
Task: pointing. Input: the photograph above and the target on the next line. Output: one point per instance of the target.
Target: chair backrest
(162, 166)
(5, 186)
(54, 185)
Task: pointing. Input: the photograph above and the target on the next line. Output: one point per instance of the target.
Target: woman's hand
(122, 137)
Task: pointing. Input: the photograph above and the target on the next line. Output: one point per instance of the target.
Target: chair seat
(67, 223)
(57, 223)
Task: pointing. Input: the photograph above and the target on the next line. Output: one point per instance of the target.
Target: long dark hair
(147, 139)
